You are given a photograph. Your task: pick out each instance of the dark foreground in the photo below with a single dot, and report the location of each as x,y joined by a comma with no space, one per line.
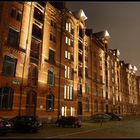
127,128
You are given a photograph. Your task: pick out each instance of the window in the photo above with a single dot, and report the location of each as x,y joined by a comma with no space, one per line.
68,41
37,32
64,111
50,102
86,88
67,55
6,98
68,72
79,89
51,56
9,66
13,38
68,92
50,78
96,106
35,50
72,111
87,105
86,72
38,15
16,14
102,106
53,24
52,38
33,75
68,27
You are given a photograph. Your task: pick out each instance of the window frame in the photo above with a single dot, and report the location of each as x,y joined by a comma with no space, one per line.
50,102
11,64
9,100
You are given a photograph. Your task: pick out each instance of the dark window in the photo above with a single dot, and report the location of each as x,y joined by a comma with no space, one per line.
18,16
50,78
53,23
15,14
52,38
96,106
87,105
50,102
51,56
9,66
86,88
37,32
79,89
31,98
86,72
102,106
79,110
38,15
81,32
34,52
6,98
13,38
33,75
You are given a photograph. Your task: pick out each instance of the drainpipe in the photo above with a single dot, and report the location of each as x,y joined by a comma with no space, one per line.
60,52
91,38
21,85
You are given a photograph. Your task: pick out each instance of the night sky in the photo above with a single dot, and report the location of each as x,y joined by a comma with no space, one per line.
121,19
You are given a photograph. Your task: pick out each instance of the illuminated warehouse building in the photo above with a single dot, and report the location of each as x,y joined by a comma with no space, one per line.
51,65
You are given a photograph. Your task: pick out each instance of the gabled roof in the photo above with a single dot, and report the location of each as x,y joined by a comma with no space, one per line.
80,14
102,34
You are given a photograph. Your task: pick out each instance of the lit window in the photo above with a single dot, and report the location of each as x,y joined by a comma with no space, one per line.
68,72
68,41
68,27
67,55
64,110
68,92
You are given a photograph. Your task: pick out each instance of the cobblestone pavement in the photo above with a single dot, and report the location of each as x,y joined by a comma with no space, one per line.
127,128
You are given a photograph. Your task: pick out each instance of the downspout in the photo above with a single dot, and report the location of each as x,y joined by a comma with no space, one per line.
21,85
91,38
61,39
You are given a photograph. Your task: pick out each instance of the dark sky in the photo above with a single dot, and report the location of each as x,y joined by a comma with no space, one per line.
121,19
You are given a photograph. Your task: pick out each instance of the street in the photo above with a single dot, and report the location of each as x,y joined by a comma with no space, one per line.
127,128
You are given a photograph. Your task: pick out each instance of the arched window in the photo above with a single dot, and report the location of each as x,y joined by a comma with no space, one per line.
50,102
6,98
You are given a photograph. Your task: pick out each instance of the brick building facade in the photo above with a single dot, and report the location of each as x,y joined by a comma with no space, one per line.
52,65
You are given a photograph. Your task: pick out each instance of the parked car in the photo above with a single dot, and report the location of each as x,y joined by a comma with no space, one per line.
115,116
5,126
25,123
68,121
100,118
